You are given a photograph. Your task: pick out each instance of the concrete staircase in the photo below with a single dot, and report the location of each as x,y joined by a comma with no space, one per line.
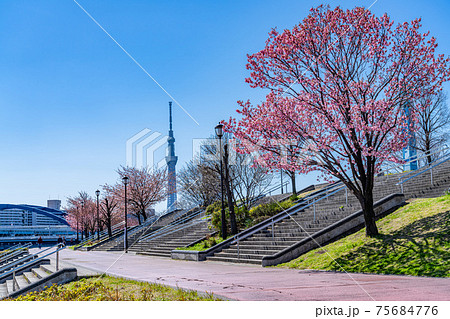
117,244
35,277
307,221
180,235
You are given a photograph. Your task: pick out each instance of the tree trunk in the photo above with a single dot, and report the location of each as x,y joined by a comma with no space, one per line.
108,225
428,149
366,202
292,176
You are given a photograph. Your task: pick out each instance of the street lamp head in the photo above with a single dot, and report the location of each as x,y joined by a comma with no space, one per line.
125,180
97,192
219,130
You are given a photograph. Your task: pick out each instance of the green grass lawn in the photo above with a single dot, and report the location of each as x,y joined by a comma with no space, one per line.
414,240
106,288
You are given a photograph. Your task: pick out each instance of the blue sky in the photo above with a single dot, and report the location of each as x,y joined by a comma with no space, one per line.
70,97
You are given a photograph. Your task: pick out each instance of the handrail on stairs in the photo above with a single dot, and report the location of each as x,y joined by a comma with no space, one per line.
173,229
273,189
9,249
435,163
165,213
28,257
418,158
19,267
312,200
153,221
170,226
102,234
14,249
287,213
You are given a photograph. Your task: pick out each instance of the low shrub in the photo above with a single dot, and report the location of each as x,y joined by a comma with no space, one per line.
247,218
107,288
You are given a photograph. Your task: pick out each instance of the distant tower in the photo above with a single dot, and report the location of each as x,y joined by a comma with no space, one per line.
171,160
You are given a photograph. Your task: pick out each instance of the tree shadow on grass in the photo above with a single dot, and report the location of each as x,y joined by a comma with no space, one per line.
421,248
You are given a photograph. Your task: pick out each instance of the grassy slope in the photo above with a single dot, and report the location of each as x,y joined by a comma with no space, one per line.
414,240
107,288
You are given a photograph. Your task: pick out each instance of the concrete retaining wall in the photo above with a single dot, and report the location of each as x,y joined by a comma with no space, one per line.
187,255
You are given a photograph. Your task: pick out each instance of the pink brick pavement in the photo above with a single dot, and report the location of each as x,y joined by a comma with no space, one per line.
245,282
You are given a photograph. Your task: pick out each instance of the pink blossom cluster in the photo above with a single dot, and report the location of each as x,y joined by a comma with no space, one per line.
339,82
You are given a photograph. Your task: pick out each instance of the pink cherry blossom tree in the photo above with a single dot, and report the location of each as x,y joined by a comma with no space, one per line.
338,83
81,211
110,209
146,188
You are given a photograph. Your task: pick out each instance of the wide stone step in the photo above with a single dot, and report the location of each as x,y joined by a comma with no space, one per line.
249,255
3,290
21,281
287,235
49,268
260,251
10,287
162,249
39,272
30,277
156,254
262,245
235,260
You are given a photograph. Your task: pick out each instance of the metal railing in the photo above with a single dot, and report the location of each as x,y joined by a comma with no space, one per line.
152,221
14,252
312,199
32,257
165,229
265,193
103,234
413,174
11,249
273,189
18,266
422,156
175,229
145,224
287,213
165,214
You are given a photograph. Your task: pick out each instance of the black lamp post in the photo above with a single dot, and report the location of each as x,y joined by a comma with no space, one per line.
82,219
125,239
97,192
219,133
78,216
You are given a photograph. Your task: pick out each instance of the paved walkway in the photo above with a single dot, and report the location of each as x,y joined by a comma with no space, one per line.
245,282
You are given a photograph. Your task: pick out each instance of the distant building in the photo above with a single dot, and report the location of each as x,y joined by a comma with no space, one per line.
54,203
25,223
